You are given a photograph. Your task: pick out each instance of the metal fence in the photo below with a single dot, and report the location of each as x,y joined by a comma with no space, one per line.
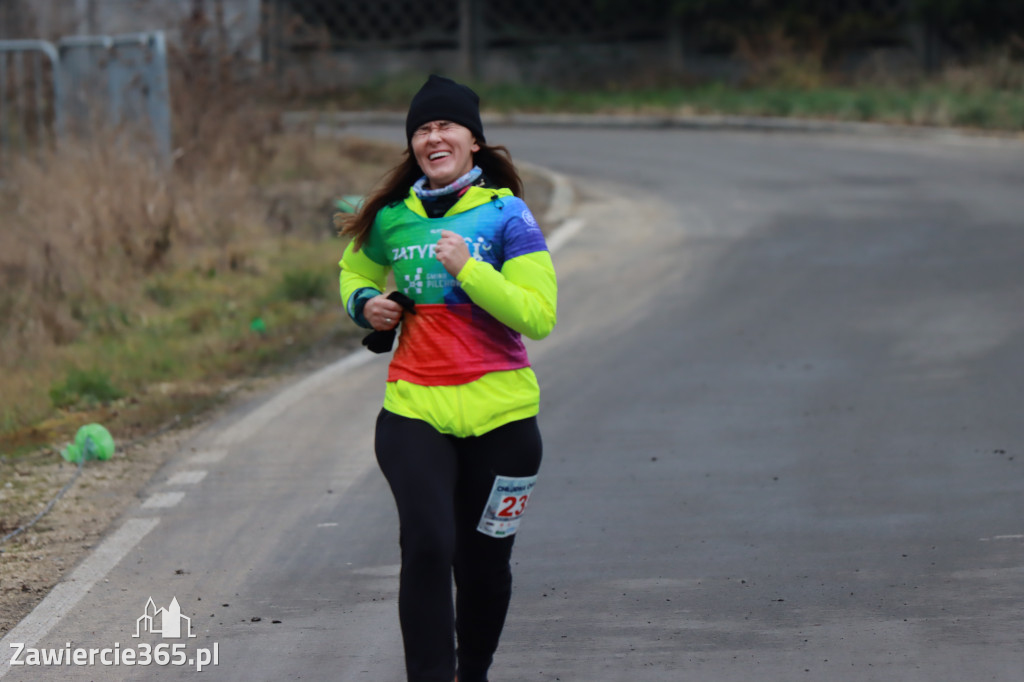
443,23
30,115
120,80
49,91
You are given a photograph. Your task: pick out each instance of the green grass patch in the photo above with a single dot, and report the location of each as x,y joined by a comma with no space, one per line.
89,386
191,333
935,104
304,284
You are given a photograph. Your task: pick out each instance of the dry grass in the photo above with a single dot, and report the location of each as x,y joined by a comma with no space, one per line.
773,58
111,265
150,279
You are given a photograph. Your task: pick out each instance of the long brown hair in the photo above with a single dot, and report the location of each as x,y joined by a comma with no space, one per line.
494,160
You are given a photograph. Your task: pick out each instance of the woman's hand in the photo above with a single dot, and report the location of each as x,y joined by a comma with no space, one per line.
382,313
452,251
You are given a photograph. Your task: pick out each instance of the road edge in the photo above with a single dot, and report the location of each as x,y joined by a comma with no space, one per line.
762,124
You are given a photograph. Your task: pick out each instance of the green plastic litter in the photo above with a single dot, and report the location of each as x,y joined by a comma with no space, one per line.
92,441
349,203
258,325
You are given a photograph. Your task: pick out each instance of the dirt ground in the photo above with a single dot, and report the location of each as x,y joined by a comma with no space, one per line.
38,558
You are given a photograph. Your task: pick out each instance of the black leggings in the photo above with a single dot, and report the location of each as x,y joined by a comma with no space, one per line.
441,484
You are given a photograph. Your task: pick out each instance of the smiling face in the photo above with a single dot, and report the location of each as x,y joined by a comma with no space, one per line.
444,151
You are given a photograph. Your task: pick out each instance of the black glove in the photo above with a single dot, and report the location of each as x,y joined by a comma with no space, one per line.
382,341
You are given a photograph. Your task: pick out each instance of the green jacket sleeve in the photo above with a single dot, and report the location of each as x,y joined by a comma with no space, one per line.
361,278
523,296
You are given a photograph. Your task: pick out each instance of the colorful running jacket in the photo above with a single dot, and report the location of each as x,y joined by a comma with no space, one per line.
460,364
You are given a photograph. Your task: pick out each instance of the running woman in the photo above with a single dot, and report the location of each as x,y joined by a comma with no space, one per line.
457,437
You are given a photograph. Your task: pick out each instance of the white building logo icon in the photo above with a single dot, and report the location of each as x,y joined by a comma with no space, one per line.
165,622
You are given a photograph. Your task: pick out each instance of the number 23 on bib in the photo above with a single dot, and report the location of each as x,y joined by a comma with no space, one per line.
506,506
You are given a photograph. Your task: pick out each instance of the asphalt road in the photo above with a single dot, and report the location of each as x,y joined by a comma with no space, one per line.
782,431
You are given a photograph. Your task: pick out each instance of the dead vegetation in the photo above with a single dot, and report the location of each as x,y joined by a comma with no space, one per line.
141,294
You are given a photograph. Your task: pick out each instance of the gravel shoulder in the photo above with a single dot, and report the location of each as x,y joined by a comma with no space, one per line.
32,562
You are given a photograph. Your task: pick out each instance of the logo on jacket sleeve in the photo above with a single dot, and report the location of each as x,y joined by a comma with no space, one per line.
475,247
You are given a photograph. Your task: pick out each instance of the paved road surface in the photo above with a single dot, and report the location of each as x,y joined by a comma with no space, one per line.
783,442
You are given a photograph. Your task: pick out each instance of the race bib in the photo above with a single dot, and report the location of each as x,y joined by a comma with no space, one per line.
506,506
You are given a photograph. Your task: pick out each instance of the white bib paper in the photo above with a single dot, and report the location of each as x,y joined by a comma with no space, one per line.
506,506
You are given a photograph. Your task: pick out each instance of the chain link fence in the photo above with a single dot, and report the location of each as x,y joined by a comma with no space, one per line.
324,44
570,42
436,24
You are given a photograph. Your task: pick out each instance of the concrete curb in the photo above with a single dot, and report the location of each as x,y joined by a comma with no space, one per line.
764,124
563,196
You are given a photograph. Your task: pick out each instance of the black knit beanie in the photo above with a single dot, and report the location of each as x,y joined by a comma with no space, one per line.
442,99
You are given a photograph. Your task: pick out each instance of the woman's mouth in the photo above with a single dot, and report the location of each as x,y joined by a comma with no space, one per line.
439,155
